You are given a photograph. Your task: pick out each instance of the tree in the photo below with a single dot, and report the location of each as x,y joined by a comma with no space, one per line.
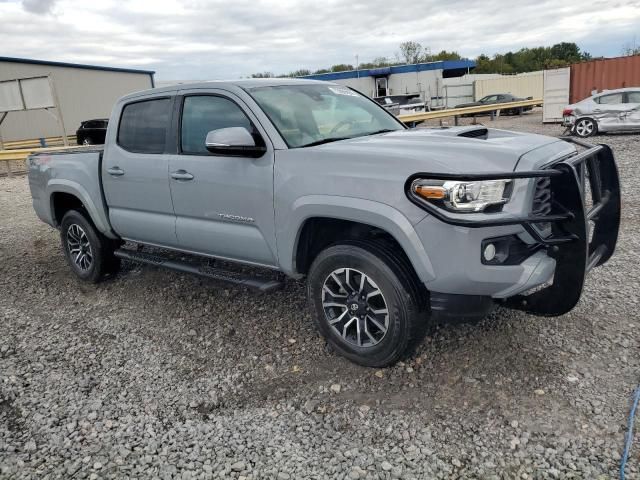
299,73
411,52
445,55
631,48
566,51
524,60
532,59
341,67
262,75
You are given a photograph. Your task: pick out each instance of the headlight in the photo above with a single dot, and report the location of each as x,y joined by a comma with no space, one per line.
462,197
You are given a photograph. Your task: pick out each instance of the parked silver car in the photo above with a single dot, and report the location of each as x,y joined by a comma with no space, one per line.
608,111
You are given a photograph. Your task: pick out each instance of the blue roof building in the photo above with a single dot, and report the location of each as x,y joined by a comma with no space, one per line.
424,79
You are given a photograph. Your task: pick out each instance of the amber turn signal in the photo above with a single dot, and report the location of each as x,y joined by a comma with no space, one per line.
431,192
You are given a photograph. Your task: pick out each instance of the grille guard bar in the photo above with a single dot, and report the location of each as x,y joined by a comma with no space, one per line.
569,243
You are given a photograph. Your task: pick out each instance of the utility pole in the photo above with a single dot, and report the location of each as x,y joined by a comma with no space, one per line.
357,66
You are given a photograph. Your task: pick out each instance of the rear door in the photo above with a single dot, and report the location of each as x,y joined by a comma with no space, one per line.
224,206
135,172
610,111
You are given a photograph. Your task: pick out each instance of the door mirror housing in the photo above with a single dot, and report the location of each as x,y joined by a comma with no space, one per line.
234,141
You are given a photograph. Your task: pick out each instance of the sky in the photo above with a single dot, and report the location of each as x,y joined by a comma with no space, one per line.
211,39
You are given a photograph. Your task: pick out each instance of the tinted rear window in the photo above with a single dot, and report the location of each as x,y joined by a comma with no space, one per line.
143,126
611,99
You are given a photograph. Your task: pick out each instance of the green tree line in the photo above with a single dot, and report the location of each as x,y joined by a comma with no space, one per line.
523,60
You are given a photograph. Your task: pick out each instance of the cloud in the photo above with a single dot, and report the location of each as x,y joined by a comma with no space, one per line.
38,6
213,39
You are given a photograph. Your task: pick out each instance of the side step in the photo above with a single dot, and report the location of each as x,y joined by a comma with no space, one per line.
263,285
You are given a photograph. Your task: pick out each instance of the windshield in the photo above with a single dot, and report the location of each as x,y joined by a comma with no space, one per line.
308,115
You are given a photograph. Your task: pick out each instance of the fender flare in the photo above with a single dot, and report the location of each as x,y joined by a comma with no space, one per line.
358,210
96,213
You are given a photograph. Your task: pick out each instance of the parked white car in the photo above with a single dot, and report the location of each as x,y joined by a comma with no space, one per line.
608,111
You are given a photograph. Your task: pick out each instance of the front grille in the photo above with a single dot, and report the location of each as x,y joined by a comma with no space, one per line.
542,197
541,204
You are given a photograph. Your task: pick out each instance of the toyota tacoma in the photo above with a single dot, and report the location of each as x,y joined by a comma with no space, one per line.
392,228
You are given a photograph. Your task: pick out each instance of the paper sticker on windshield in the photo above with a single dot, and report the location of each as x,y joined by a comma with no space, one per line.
343,91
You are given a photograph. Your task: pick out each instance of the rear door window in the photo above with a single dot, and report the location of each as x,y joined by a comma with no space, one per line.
612,99
143,126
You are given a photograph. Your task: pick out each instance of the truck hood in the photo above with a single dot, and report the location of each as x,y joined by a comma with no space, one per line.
376,168
473,149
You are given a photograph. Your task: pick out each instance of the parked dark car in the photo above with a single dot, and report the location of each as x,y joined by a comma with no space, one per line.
499,98
92,132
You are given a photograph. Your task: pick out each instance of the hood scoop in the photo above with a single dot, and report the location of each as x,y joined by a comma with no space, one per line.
475,132
470,131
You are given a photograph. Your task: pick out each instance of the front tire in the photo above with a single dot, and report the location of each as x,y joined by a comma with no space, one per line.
585,127
88,252
366,301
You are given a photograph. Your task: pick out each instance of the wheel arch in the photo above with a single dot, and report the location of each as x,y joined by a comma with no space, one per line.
65,195
336,218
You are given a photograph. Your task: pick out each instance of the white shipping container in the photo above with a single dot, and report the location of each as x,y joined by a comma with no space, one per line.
556,94
522,85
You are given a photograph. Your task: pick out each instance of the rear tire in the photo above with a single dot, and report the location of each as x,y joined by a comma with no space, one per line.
88,252
585,127
352,317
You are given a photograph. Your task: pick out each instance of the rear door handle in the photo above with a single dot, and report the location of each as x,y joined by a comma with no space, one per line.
181,175
115,171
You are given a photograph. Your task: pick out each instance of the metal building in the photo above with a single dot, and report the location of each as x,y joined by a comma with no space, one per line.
425,79
84,92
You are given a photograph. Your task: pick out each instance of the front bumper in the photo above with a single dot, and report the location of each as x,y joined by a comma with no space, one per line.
584,220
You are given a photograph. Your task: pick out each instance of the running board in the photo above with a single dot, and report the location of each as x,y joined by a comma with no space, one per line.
263,285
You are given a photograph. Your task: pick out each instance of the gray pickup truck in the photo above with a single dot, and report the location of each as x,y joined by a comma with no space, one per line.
393,228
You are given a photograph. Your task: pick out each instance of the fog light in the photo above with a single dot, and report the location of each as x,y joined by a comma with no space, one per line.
489,252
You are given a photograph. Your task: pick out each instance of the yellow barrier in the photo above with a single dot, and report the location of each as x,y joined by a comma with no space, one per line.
35,143
456,112
20,155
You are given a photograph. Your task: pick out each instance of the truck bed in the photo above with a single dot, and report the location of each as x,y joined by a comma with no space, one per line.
73,170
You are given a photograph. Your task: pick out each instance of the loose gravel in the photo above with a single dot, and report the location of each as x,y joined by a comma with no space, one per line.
154,374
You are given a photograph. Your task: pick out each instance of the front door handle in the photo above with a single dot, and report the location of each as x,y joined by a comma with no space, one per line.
181,175
115,171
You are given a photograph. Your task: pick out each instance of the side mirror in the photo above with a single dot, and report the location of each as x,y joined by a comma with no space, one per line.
233,141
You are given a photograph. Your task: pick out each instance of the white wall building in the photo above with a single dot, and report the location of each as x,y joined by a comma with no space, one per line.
84,92
425,79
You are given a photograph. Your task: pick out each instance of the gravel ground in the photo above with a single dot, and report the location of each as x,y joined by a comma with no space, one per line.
154,374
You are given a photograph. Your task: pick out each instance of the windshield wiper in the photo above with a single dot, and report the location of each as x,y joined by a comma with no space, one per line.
323,141
384,130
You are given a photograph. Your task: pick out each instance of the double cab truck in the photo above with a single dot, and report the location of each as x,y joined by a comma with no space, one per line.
392,228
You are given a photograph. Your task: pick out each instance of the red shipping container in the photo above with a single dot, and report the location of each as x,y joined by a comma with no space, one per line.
603,74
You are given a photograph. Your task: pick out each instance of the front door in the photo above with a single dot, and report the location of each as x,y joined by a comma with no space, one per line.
135,173
611,113
633,103
223,204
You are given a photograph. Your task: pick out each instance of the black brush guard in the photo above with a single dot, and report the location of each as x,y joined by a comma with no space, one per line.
584,231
